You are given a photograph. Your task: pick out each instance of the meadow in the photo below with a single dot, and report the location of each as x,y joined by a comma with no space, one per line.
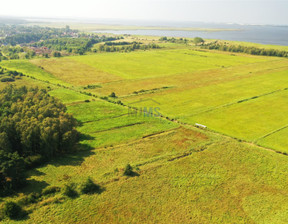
228,173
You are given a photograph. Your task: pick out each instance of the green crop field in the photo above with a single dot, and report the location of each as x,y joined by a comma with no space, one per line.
227,173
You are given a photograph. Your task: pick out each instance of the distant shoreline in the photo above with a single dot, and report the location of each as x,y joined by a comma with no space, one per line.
268,35
104,27
116,27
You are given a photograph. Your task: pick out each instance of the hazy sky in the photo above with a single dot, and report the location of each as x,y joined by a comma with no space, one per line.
237,11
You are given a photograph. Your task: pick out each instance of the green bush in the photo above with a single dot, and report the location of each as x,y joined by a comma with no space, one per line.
92,87
7,79
70,190
89,187
50,190
113,95
128,171
13,211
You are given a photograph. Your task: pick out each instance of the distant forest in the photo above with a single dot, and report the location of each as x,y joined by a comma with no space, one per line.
18,42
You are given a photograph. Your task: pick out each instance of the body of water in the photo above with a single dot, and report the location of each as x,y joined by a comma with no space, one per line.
275,35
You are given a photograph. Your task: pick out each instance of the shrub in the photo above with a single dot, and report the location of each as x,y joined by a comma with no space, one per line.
113,95
89,187
13,211
70,191
50,190
128,171
7,79
92,87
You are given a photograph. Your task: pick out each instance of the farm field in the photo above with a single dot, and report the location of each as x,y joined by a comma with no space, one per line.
183,174
32,71
233,120
276,140
188,85
63,68
148,64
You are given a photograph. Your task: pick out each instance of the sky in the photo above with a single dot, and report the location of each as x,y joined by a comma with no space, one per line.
226,11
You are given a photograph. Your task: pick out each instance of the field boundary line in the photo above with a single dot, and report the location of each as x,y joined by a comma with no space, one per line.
119,127
165,158
106,118
271,133
239,101
148,91
127,143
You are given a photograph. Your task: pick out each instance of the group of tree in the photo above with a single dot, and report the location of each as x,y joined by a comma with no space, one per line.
17,34
25,42
109,43
78,45
34,127
126,48
9,76
245,49
196,40
174,40
16,52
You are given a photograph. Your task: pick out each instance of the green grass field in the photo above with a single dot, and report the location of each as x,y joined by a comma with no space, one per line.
149,64
31,70
184,174
72,72
186,84
233,120
226,182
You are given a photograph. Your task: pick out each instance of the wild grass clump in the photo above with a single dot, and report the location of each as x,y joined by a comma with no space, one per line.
89,187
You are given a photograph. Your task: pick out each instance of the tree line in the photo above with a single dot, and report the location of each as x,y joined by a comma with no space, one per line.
126,48
78,45
109,43
245,49
174,40
34,127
